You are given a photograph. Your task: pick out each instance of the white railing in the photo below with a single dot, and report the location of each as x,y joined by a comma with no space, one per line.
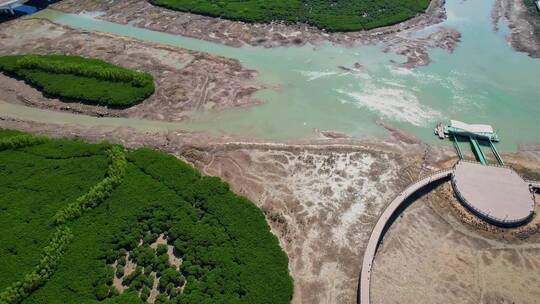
377,232
482,214
389,212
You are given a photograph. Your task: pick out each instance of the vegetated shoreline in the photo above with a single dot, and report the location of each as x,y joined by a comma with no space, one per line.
287,213
234,260
524,23
303,219
179,74
396,38
338,16
236,33
80,79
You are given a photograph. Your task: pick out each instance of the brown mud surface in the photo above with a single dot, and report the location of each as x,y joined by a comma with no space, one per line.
323,197
524,23
397,38
432,254
186,81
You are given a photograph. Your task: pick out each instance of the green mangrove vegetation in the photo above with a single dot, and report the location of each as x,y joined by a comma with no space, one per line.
81,79
99,192
80,220
334,15
19,141
46,267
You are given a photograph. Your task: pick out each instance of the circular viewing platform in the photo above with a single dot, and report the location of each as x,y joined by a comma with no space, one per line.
496,194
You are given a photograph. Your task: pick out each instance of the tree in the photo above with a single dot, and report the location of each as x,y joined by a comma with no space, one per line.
119,271
162,249
169,275
145,293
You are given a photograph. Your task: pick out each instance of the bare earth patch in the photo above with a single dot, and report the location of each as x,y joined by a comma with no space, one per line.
322,199
431,256
186,81
524,24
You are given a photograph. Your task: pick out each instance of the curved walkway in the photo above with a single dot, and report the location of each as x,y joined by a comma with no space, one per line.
378,231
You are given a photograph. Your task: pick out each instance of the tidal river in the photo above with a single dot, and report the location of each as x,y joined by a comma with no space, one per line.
483,81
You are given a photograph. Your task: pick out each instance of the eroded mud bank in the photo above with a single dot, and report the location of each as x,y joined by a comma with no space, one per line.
524,24
398,38
322,198
186,81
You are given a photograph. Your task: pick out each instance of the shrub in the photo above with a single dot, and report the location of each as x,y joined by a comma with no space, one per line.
102,292
120,271
122,252
122,260
169,276
162,249
144,256
145,293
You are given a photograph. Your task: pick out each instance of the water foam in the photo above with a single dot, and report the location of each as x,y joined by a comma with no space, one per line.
394,103
313,75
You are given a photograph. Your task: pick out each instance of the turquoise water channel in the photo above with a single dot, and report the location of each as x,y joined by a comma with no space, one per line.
483,81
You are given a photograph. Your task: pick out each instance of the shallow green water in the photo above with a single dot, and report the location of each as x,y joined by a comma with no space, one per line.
483,81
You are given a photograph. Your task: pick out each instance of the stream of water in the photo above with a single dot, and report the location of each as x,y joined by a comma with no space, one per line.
483,81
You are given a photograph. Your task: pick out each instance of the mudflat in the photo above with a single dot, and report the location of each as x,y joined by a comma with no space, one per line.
186,81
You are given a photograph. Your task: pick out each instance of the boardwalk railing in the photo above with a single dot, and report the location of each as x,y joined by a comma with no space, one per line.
489,217
390,212
378,230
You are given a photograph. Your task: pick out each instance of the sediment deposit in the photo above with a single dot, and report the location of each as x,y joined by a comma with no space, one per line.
398,38
186,81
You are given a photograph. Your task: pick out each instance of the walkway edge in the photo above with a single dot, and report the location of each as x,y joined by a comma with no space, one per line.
376,234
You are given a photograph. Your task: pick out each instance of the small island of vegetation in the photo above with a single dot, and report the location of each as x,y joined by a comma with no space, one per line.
85,80
335,15
96,223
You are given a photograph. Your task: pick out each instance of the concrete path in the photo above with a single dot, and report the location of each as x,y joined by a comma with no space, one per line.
378,231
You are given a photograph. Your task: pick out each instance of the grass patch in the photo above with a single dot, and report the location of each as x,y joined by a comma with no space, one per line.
335,15
75,78
228,253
